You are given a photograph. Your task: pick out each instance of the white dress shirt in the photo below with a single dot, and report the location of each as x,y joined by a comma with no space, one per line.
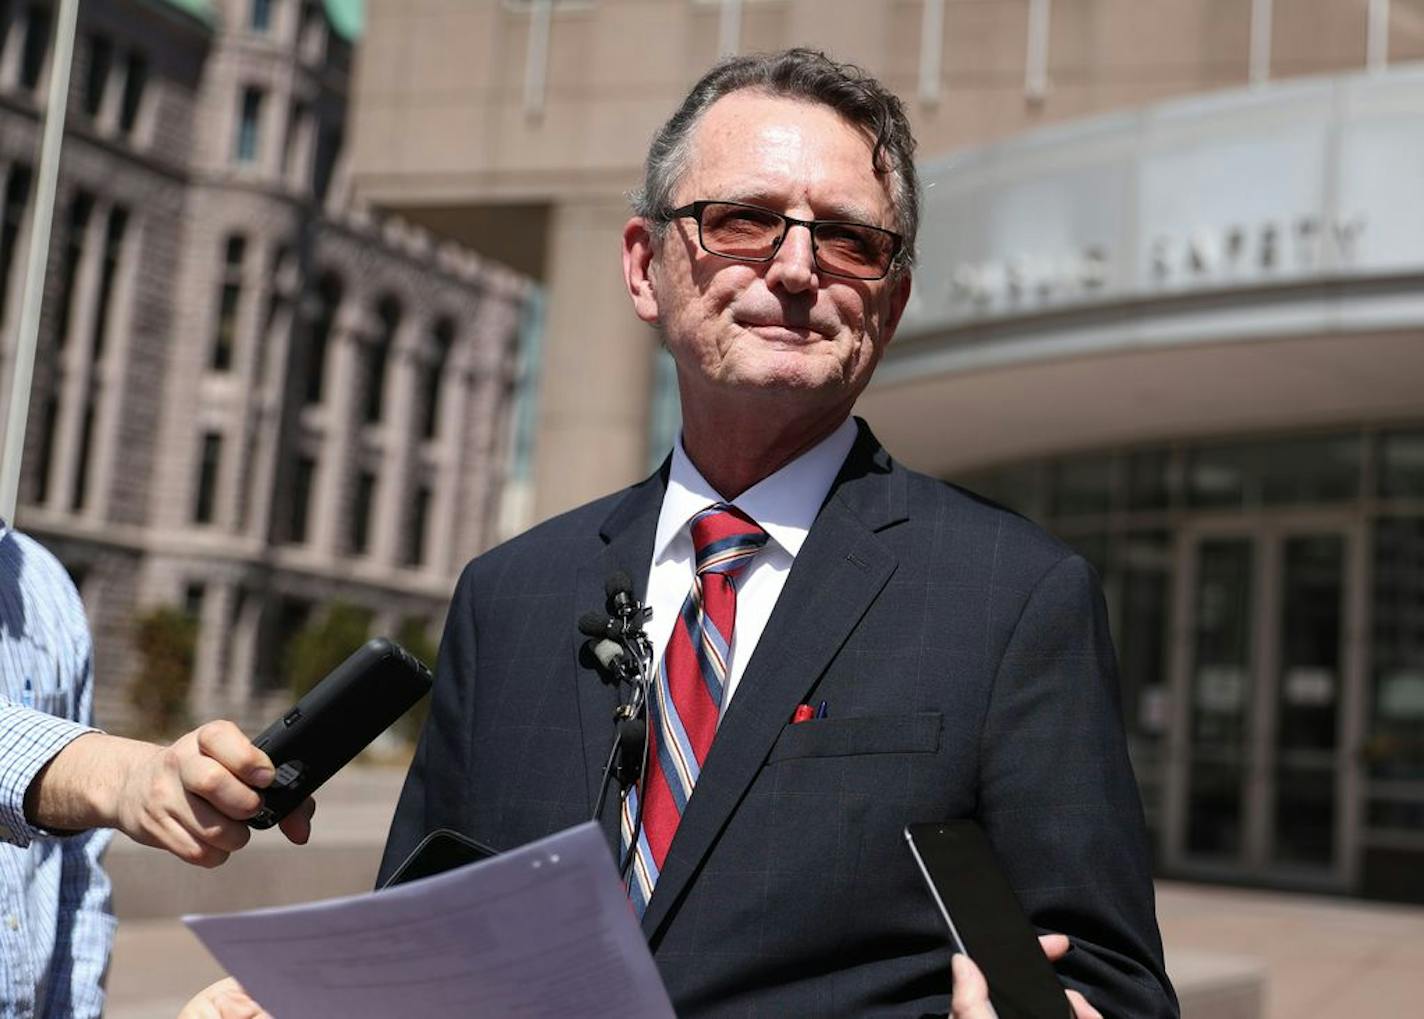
784,505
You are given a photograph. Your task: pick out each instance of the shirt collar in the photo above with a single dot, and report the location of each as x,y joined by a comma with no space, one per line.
785,504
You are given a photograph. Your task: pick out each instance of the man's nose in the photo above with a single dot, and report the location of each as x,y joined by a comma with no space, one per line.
794,264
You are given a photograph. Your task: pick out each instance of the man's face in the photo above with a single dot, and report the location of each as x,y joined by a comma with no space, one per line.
781,327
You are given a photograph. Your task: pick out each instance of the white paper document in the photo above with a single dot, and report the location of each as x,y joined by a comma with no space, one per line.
544,930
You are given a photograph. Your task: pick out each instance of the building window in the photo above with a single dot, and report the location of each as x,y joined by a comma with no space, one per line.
12,214
361,512
442,338
248,125
244,483
327,149
209,463
79,494
113,247
32,56
275,301
80,209
101,63
49,422
297,129
303,476
419,523
329,302
135,78
311,38
193,600
229,297
378,357
260,16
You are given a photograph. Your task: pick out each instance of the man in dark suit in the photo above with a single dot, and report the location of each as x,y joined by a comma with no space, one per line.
958,658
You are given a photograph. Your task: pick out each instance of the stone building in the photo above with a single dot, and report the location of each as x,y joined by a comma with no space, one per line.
1167,302
252,396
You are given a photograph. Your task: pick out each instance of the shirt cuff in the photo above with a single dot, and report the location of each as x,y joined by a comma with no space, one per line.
29,740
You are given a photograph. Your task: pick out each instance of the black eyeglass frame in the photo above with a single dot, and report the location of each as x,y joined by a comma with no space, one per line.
694,210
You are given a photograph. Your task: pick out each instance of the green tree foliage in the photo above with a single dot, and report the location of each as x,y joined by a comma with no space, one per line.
166,639
414,636
327,640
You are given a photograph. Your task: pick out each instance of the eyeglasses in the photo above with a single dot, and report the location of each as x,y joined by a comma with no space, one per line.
750,233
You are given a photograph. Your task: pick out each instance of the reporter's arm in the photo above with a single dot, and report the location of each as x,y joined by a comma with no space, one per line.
191,798
29,740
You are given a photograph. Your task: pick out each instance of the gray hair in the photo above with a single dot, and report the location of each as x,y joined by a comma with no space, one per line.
804,74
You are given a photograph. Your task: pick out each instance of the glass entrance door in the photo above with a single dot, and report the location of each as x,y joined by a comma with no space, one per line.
1260,769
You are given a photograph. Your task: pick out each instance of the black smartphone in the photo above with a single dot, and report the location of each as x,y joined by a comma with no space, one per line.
441,850
335,721
986,921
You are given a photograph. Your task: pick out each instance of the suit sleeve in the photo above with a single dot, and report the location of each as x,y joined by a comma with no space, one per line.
1058,798
434,793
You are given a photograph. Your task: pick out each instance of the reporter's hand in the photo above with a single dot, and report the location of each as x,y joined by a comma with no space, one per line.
971,992
223,1000
194,797
191,798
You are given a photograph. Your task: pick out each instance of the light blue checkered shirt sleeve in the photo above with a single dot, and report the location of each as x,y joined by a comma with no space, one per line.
56,925
28,740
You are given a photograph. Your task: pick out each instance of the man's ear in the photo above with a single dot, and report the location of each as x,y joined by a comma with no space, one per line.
638,268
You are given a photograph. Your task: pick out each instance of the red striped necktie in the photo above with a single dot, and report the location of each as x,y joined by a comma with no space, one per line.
688,689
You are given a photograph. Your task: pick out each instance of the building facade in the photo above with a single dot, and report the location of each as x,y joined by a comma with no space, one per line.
1167,303
252,397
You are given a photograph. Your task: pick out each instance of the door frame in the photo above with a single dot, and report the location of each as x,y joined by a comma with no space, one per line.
1267,534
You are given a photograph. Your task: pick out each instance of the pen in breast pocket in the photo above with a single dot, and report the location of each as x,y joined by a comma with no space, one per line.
28,699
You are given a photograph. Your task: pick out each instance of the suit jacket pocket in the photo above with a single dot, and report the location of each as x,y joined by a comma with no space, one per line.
845,737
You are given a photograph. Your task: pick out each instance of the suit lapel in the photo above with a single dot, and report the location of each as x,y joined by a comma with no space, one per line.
628,535
839,572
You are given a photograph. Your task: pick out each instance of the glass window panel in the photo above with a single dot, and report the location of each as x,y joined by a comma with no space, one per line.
1401,464
134,82
1149,479
303,481
1395,745
101,62
249,122
1214,811
12,214
1142,635
1310,470
209,460
1221,681
1093,546
1217,476
1020,487
32,57
1082,486
1308,693
1403,814
361,512
1305,816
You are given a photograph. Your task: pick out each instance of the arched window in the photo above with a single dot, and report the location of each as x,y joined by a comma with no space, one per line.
319,336
442,338
388,315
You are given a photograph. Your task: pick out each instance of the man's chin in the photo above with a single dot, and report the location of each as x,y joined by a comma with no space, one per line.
787,379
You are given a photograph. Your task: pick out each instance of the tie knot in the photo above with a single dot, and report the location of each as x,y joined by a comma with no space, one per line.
725,539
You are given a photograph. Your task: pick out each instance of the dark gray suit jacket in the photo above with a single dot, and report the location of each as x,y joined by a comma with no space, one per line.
965,660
